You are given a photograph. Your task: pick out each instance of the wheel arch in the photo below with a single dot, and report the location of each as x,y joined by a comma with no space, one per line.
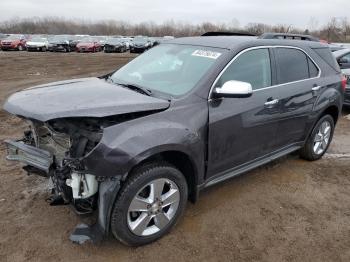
178,159
331,110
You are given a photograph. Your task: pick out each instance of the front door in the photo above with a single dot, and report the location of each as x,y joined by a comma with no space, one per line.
243,129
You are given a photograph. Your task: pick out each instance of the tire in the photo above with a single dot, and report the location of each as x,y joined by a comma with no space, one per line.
314,150
160,217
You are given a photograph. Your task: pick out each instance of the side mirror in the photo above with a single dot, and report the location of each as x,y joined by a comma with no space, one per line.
343,61
234,89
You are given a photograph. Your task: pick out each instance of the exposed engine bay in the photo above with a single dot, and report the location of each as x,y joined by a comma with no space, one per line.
64,142
67,140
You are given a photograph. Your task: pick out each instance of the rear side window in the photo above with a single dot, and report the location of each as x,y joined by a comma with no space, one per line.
327,56
292,65
253,67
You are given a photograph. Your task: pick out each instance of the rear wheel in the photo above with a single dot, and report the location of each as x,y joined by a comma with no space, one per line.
319,140
149,204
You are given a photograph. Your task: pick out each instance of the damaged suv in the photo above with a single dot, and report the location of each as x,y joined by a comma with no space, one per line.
136,144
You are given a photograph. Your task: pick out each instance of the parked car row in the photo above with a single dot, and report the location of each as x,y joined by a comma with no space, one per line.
79,43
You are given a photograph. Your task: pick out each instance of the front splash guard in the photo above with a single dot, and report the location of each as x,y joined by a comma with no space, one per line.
95,233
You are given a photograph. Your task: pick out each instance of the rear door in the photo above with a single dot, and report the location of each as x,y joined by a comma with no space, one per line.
243,129
298,87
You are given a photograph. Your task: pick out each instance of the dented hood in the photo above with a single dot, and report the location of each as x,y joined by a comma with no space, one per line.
85,97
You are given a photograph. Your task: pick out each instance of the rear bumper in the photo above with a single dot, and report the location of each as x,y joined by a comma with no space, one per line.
30,155
85,49
58,48
8,47
111,49
137,49
35,48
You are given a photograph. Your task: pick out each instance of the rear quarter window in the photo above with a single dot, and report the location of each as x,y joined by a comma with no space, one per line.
327,56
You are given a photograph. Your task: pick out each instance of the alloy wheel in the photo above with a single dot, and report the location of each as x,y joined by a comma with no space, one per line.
322,138
153,207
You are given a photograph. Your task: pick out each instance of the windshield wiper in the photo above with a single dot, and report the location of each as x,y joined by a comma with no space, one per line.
134,87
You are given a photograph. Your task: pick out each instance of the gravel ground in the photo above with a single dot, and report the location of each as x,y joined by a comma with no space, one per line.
288,210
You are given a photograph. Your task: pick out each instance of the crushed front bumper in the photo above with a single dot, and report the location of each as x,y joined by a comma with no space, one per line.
30,155
107,191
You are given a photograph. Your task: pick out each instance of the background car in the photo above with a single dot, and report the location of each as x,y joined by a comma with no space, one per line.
2,36
343,58
89,44
37,43
61,43
115,45
14,42
140,44
101,40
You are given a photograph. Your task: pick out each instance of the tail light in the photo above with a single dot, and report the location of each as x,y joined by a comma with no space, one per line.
343,82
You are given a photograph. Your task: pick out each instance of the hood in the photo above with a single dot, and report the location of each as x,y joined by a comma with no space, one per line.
85,97
36,43
10,41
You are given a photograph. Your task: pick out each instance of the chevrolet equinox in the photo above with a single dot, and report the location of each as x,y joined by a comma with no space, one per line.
133,146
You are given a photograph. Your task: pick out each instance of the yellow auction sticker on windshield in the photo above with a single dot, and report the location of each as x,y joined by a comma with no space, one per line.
206,53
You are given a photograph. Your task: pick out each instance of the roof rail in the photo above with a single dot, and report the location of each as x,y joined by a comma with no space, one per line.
227,34
288,36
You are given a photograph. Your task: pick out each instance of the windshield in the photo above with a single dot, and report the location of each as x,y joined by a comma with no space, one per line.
140,39
38,39
114,40
171,69
59,38
13,37
87,40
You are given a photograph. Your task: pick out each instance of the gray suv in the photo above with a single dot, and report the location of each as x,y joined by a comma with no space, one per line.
136,144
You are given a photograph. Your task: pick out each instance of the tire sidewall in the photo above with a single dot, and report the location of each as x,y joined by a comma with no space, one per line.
311,139
119,225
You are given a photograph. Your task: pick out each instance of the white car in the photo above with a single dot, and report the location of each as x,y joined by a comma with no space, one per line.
37,44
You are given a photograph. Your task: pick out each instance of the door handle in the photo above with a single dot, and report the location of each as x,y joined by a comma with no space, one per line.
272,102
316,88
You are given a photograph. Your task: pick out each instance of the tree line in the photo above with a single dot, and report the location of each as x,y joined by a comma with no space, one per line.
336,30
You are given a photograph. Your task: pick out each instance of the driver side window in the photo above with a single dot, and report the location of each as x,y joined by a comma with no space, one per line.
253,67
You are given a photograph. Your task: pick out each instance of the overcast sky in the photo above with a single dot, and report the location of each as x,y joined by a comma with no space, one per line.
291,12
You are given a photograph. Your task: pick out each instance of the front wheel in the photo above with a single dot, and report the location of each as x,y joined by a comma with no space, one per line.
319,140
149,204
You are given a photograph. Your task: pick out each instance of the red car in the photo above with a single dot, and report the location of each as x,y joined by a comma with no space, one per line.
89,44
14,42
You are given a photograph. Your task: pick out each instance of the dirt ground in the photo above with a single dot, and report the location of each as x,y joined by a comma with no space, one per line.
289,210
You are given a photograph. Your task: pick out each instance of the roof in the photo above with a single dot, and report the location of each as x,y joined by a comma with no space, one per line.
236,42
